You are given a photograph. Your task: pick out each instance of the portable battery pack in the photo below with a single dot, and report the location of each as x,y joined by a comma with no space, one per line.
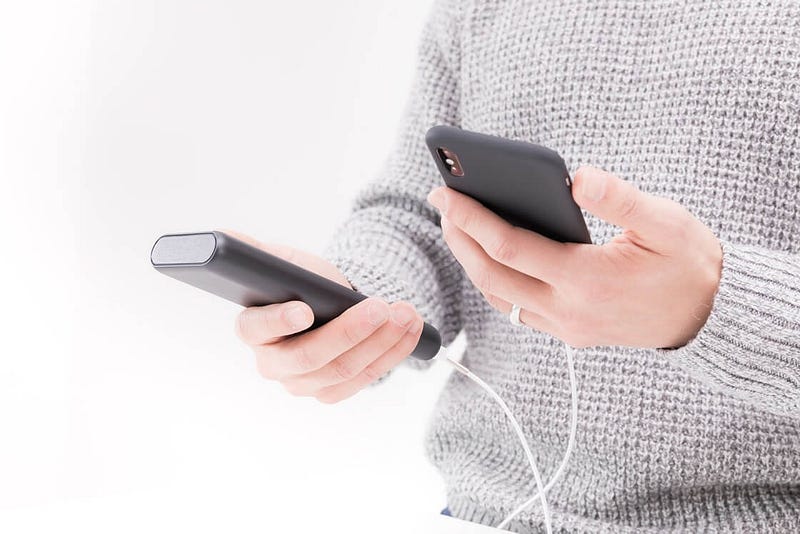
241,273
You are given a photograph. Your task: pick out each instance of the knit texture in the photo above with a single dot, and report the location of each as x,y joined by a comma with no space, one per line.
691,100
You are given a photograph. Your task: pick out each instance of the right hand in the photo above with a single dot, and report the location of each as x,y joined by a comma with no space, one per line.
333,361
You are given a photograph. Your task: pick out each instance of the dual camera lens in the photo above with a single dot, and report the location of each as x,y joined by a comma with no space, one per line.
450,160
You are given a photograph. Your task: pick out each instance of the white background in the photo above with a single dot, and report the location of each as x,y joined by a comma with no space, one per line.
126,402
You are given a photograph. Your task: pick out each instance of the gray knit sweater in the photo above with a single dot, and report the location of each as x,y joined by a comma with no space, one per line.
692,100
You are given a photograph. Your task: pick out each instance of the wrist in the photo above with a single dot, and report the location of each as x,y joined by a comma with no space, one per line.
709,274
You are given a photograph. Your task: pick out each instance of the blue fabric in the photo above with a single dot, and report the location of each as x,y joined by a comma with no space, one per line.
446,512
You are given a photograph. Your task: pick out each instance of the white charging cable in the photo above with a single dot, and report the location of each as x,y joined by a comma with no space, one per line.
518,429
541,489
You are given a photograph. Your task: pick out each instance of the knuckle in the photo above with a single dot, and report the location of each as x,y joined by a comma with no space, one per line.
405,309
352,332
629,206
303,359
503,248
371,373
343,369
466,219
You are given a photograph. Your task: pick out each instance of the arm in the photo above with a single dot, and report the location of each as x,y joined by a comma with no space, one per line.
750,345
391,245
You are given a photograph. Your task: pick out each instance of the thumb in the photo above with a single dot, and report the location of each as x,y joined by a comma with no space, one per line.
621,203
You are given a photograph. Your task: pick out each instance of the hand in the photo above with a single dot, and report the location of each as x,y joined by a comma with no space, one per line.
651,286
333,361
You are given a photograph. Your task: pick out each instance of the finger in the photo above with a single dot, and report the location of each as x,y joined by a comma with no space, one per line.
315,349
258,325
526,317
493,278
350,364
382,365
518,248
621,203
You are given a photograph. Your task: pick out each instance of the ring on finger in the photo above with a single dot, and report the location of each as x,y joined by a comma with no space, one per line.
514,315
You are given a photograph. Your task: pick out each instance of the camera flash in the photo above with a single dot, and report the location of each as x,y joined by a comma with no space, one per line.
449,161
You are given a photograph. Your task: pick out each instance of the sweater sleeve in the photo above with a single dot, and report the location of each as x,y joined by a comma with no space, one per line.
750,344
391,244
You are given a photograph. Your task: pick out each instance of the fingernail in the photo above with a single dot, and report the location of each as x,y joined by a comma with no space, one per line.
377,313
437,198
297,316
402,316
594,186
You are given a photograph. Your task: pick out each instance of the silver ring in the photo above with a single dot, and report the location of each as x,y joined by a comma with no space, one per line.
514,315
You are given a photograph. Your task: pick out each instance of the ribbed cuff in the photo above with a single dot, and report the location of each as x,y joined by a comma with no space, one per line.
750,344
378,255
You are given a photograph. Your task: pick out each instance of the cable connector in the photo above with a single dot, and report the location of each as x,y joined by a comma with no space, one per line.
442,354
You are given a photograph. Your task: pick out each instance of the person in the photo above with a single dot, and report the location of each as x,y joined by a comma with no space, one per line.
680,122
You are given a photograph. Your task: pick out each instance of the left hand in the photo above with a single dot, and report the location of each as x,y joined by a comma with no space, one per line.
651,286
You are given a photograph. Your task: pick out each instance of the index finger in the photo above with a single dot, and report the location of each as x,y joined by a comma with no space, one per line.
523,250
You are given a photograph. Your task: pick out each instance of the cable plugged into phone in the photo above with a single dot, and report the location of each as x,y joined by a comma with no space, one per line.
541,489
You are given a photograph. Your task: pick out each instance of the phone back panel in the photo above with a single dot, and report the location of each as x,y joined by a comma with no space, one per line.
526,184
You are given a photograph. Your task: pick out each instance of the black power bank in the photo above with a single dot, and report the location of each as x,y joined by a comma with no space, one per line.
246,275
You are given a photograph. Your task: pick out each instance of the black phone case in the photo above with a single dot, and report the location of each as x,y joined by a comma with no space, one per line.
526,184
246,275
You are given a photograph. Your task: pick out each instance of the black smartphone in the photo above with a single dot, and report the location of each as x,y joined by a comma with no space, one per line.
526,184
239,272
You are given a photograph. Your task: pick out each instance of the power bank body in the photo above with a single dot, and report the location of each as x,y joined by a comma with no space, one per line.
234,270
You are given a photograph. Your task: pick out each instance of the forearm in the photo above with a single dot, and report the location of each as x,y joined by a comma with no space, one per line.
391,245
389,252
